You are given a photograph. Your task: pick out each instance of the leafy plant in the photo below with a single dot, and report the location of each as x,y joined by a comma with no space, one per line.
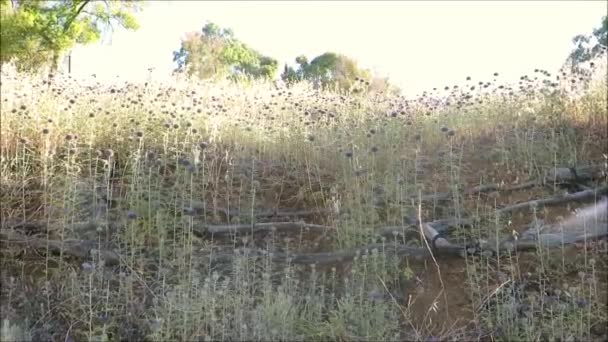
214,53
37,33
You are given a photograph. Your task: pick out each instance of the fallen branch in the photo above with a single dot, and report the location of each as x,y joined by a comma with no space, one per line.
199,207
560,175
501,187
577,196
327,258
257,228
440,226
81,249
281,212
569,175
484,188
439,242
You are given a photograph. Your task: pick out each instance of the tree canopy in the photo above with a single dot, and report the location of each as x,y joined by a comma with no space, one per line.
334,71
329,70
35,33
215,53
589,46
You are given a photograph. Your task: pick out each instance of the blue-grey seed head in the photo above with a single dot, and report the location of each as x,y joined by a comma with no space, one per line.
131,215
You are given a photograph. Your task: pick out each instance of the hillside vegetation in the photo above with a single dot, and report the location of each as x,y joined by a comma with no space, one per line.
219,211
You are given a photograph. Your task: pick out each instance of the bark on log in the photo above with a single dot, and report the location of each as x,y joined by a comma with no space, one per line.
81,249
328,258
203,230
577,196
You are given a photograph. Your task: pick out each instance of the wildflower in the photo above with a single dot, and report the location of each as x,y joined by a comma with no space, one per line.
131,215
184,162
88,267
581,302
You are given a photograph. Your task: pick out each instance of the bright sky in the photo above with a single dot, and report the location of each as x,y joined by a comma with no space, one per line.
418,45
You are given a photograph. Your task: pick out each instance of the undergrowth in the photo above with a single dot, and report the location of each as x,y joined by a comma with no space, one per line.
137,168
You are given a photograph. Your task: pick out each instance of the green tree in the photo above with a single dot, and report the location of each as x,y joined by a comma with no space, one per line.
330,70
589,46
291,75
216,53
36,33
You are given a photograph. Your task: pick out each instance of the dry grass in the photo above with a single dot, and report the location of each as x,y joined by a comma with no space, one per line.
136,168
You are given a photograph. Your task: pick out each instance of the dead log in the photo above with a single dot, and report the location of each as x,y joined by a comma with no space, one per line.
440,226
337,257
561,175
199,207
439,244
204,230
500,187
483,188
577,196
81,249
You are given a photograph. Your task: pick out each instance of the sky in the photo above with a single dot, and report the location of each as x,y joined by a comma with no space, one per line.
417,45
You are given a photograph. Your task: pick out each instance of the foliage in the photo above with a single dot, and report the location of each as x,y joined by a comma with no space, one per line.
329,70
215,53
36,33
335,71
590,46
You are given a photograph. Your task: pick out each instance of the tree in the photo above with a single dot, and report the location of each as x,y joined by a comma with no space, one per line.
35,33
216,53
382,85
330,70
290,75
590,46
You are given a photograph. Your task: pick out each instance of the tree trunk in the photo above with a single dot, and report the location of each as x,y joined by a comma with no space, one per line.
55,62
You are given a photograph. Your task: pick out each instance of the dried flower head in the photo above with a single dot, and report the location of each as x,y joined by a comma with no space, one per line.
131,215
